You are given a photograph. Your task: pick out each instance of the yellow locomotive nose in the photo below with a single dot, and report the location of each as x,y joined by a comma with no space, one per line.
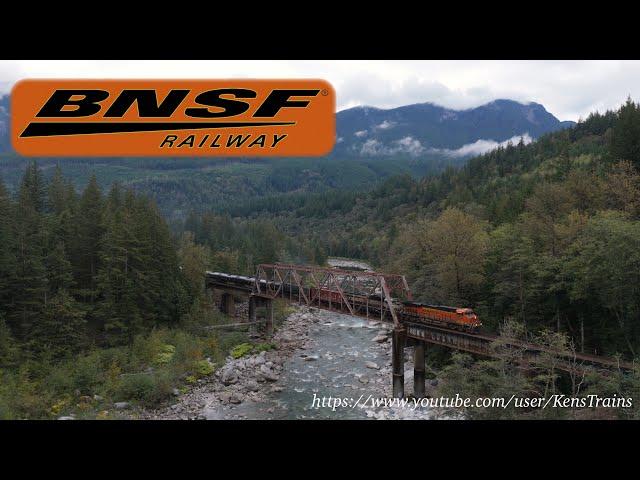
472,317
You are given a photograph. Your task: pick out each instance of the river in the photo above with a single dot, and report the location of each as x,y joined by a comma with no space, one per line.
340,359
320,354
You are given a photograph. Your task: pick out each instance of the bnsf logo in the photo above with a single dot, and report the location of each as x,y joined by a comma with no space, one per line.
194,117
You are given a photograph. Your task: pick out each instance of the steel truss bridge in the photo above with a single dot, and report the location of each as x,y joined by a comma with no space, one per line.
378,296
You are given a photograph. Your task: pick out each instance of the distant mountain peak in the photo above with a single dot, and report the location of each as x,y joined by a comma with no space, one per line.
423,128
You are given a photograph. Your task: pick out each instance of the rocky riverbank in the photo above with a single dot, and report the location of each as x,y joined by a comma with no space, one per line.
317,353
246,379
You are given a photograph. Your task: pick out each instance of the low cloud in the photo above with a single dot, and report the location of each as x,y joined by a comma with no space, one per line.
412,146
407,145
483,146
385,125
361,133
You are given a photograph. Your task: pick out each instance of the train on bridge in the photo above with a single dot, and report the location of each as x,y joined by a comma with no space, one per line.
455,318
386,298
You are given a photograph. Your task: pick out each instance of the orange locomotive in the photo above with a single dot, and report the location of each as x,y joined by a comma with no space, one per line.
450,317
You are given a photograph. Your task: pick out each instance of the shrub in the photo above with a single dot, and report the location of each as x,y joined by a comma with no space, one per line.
58,407
137,386
227,341
87,374
203,368
5,411
264,347
165,355
50,388
241,350
148,389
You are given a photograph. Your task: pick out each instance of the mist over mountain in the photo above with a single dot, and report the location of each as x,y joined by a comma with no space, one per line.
427,128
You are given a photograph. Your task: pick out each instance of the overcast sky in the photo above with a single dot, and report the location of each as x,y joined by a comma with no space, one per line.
568,89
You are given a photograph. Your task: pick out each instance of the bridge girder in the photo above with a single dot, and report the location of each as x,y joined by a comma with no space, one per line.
347,291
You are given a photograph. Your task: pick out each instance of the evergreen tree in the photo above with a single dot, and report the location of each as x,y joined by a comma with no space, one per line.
8,346
117,311
7,251
29,286
59,270
86,250
60,331
194,259
625,138
58,191
32,189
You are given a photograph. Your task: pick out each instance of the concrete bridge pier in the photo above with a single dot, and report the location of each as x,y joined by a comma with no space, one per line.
228,304
252,315
269,322
398,339
419,390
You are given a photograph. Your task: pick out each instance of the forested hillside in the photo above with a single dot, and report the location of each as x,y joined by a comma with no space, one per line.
547,234
99,302
179,186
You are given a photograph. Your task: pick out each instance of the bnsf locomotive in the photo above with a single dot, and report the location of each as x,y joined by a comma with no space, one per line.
450,317
456,318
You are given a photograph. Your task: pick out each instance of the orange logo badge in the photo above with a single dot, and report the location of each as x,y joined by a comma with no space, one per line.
236,117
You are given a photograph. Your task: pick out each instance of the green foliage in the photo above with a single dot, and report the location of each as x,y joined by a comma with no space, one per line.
503,375
264,347
165,356
45,389
236,186
447,256
8,347
139,283
625,137
88,287
147,388
194,259
618,384
241,350
61,330
603,267
203,368
238,247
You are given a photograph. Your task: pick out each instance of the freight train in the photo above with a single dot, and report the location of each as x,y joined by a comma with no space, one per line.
455,318
450,317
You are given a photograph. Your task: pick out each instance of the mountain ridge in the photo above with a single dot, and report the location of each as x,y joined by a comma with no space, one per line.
427,127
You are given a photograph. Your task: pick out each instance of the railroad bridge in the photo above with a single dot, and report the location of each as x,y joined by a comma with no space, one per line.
374,296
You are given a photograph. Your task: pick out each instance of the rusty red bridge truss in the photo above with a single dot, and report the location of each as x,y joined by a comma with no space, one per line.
359,293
